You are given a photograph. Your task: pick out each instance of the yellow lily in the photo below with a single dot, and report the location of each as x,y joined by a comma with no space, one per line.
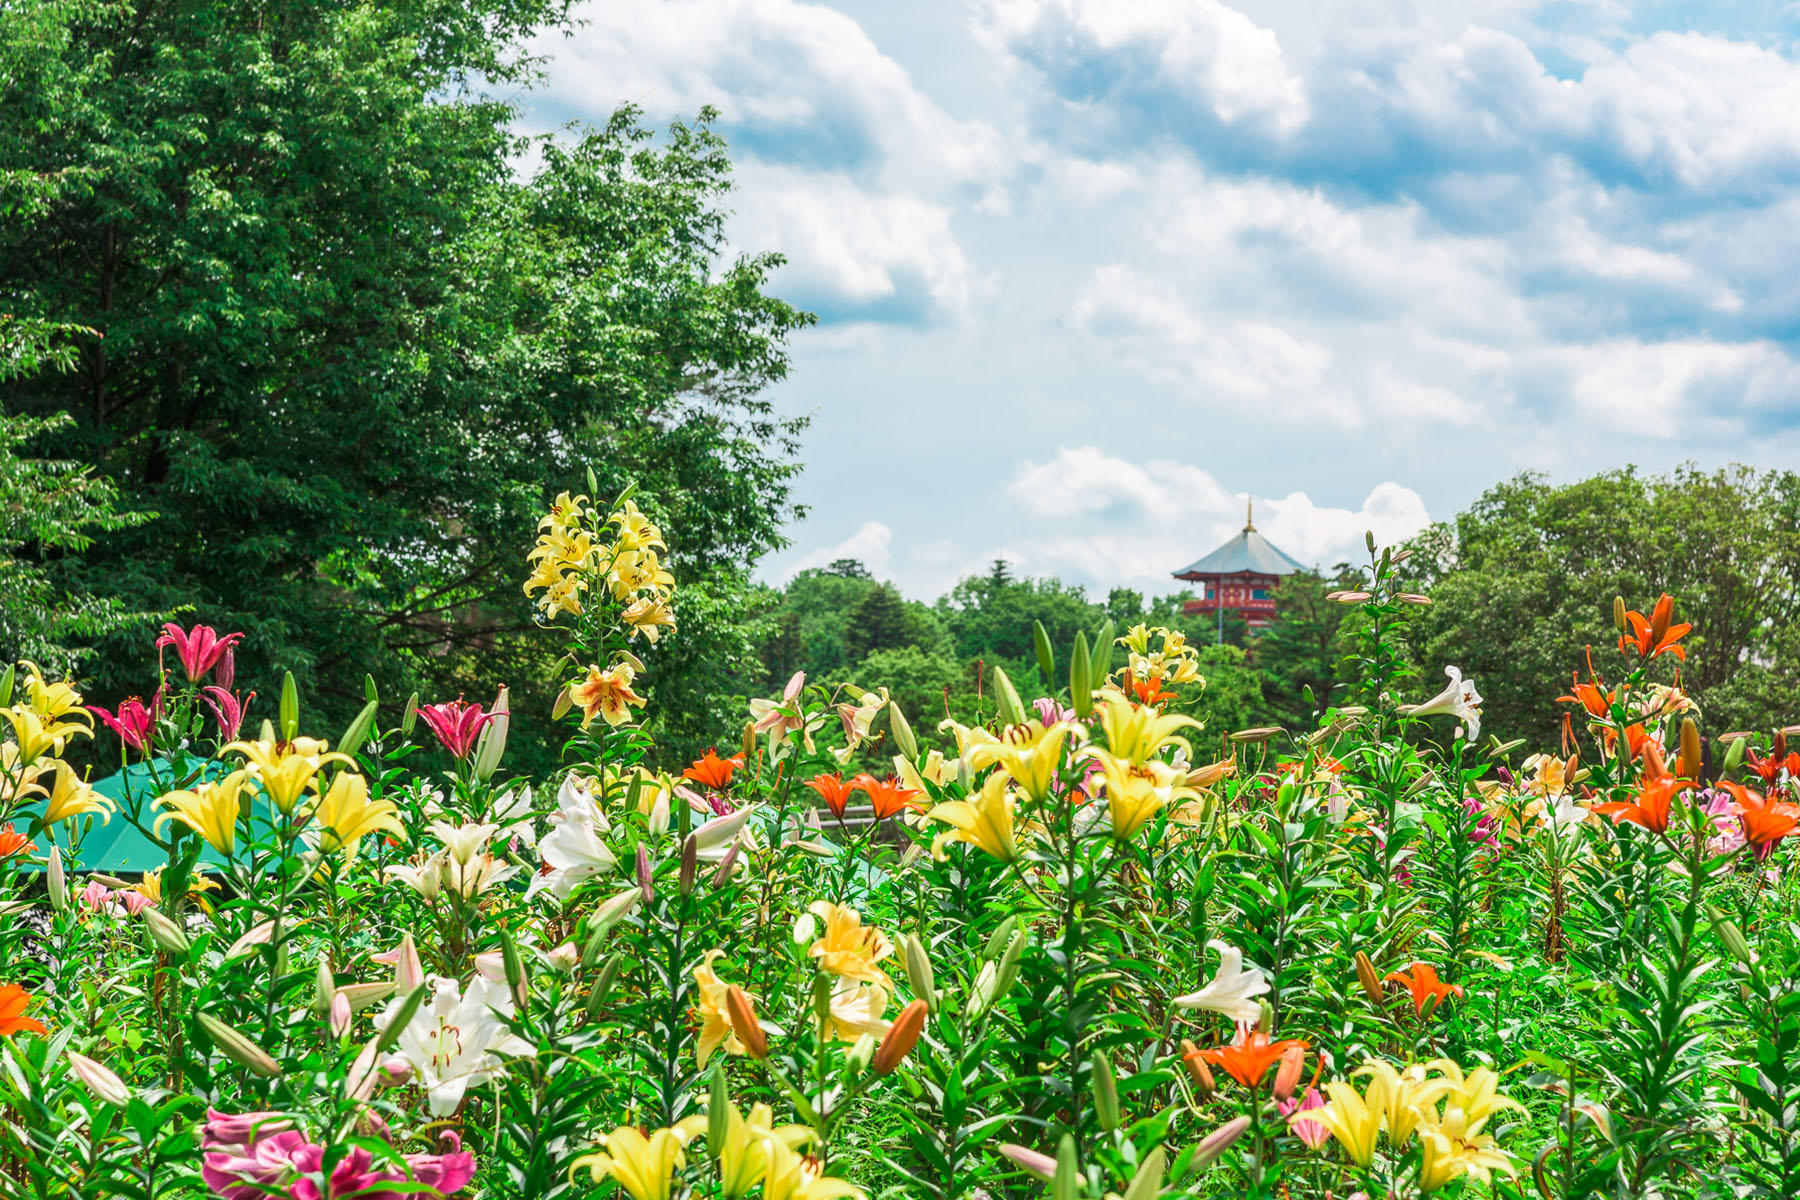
985,821
744,1156
54,701
606,694
1137,791
1450,1149
18,780
796,1177
856,1011
345,813
1351,1120
1403,1097
1031,753
1136,732
848,948
1476,1094
37,736
70,796
715,1023
287,769
211,810
643,1166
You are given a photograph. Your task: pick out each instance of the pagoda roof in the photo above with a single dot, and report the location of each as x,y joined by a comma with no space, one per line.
1249,553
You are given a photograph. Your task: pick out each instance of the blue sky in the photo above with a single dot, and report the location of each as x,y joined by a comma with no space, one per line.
1090,272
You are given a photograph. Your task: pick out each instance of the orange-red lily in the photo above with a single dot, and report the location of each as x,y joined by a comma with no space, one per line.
13,843
835,791
1655,635
1655,794
709,770
1770,768
1249,1058
1148,690
1591,696
13,1000
1421,979
886,796
1766,821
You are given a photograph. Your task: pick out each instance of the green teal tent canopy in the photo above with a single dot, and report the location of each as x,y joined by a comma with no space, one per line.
116,846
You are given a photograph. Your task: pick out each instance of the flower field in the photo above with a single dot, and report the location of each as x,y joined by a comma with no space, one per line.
1083,947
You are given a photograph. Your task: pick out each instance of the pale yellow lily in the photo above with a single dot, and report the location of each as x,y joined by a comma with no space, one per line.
287,769
793,1176
1137,791
744,1155
1031,754
1403,1097
345,813
70,796
211,810
1136,732
1476,1094
54,701
1449,1149
643,1166
848,948
985,821
37,736
1352,1121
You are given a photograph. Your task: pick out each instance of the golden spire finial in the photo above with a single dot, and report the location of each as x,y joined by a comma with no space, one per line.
1249,515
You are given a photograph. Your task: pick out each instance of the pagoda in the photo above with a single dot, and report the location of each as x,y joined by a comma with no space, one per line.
1239,577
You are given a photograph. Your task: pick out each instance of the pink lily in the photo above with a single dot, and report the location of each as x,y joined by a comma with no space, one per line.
95,895
199,649
228,708
457,724
1310,1132
133,722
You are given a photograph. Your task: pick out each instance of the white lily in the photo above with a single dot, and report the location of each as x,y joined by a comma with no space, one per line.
573,849
1233,990
1459,699
715,838
457,1040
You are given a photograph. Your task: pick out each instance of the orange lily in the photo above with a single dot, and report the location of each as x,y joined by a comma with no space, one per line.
835,791
886,796
1249,1058
12,843
1591,695
1655,794
714,772
1655,635
1148,690
1770,768
1426,988
13,1000
1766,821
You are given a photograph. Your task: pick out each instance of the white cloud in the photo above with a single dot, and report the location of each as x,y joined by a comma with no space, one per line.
1202,51
869,545
1678,388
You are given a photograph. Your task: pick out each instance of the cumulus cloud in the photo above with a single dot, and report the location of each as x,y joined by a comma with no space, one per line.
869,545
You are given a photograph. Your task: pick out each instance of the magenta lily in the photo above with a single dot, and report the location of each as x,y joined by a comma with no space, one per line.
457,724
134,723
228,709
199,648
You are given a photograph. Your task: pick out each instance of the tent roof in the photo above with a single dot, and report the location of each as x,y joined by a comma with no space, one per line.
116,846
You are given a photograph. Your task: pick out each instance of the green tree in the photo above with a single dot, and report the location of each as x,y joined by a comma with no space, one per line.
878,622
1525,579
349,340
1299,650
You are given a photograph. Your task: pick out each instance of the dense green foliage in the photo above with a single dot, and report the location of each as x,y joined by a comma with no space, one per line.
349,322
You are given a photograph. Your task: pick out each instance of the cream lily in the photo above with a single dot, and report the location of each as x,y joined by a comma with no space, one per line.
1232,991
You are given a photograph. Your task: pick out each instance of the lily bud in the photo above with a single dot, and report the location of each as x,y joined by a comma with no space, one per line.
1654,762
58,882
1147,1183
645,879
903,733
1731,936
1009,964
805,932
409,971
1218,1142
340,1015
410,717
603,985
727,865
1000,939
749,744
1779,747
1066,1183
167,935
324,986
516,979
1040,1166
1265,1017
1371,981
744,1024
611,913
860,1055
718,1114
1687,764
395,1071
821,996
901,1037
690,862
105,1085
493,738
1203,1076
1287,1076
918,971
1106,1092
235,1046
1734,753
1619,612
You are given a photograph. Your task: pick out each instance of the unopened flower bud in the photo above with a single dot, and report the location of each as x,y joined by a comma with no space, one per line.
167,935
340,1015
821,996
1265,1017
99,1080
744,1024
1287,1076
1040,1166
918,971
644,878
1203,1076
1687,764
1000,939
1218,1142
901,1037
1654,762
237,1047
1734,752
690,862
1106,1092
806,928
727,865
1066,1184
324,986
1371,981
603,983
1146,1184
1619,612
395,1071
860,1055
58,882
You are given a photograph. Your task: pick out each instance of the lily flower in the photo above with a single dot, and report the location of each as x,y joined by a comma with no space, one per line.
457,1040
13,1002
1769,769
1135,732
199,649
1655,635
228,709
1232,991
778,718
886,796
1592,696
985,821
709,770
287,769
607,694
715,1020
743,1154
835,791
1476,1095
857,719
53,701
1766,821
1459,699
847,948
1402,1096
70,797
211,809
648,615
573,851
457,724
792,1176
1137,790
1427,990
38,736
345,814
643,1167
1348,1118
855,1011
1249,1058
14,843
1449,1149
1651,808
1031,753
133,722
